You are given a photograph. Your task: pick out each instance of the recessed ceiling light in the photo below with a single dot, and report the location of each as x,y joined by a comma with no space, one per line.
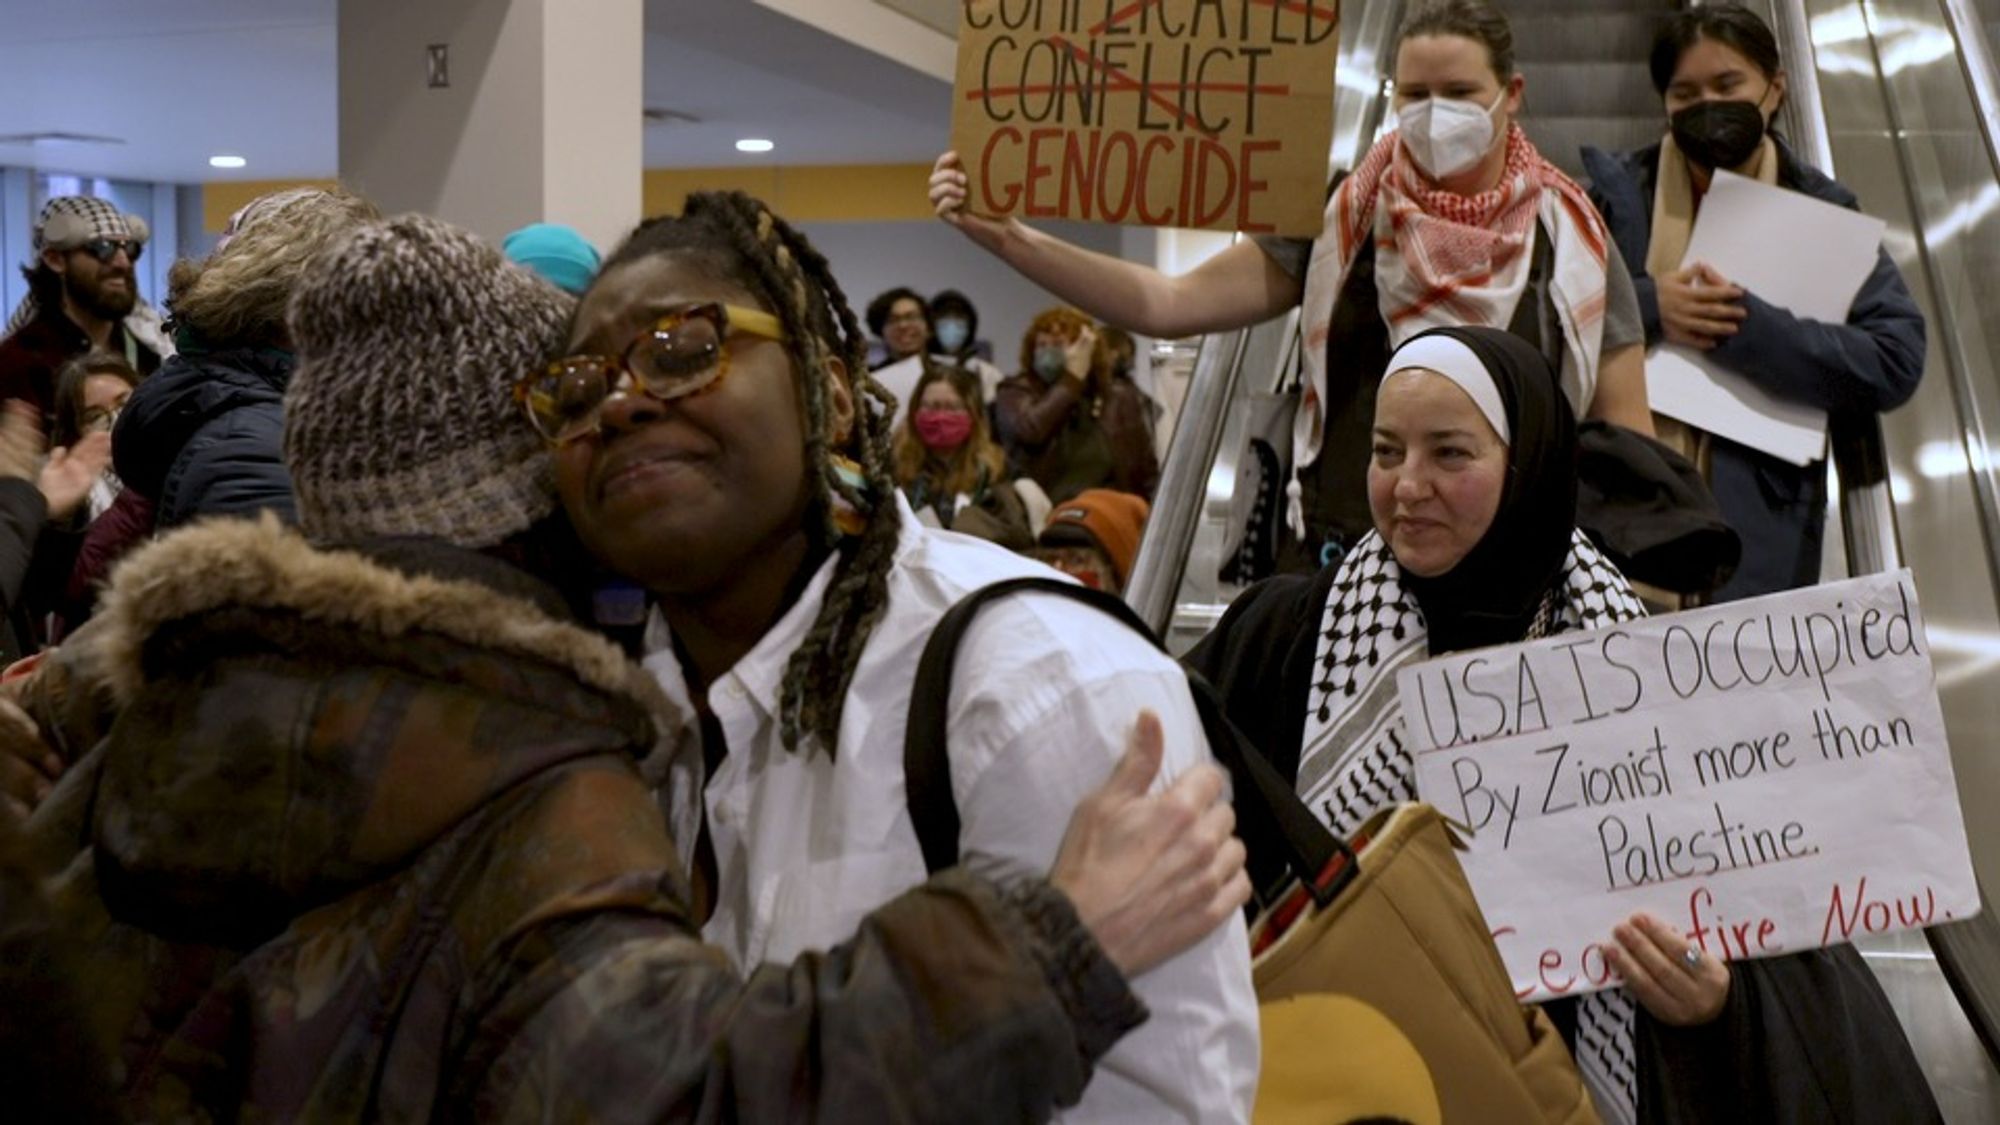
754,145
226,162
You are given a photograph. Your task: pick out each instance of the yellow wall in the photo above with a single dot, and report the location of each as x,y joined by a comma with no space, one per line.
801,193
224,198
805,193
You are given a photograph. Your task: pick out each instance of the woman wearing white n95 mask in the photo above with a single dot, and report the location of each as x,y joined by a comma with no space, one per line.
1452,220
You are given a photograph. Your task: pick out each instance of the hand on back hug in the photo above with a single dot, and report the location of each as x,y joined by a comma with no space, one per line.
1151,874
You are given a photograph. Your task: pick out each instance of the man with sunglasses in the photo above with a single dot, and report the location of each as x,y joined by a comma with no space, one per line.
82,294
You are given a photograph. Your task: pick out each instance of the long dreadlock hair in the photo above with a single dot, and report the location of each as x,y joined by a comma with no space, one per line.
738,238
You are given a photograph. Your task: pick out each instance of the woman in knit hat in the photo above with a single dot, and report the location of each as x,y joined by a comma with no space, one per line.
1094,537
718,440
371,838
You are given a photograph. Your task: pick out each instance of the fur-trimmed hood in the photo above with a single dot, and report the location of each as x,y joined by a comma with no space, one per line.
261,564
335,713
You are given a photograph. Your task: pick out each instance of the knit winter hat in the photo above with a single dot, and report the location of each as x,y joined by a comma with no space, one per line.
1103,518
69,221
400,419
556,252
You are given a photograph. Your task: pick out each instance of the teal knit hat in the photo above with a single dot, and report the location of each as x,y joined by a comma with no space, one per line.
557,252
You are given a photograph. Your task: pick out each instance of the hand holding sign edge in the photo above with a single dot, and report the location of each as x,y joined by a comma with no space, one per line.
1652,959
950,192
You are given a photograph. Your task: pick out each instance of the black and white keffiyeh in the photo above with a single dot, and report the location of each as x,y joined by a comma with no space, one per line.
1355,759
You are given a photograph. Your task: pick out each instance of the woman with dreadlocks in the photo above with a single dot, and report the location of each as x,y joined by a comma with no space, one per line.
718,440
358,824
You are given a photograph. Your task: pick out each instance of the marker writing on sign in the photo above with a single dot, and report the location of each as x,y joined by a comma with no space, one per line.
1054,81
1109,177
1290,23
1620,670
1634,858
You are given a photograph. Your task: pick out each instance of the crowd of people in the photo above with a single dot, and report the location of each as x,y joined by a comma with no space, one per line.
1003,457
330,792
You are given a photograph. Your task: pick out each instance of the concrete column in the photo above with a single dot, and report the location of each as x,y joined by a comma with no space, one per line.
540,119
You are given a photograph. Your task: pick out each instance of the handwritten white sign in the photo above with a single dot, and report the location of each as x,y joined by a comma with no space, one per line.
1770,776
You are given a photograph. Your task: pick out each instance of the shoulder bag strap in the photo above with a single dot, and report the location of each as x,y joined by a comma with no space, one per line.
1269,813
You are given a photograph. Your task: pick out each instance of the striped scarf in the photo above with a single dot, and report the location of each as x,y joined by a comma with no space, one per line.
1444,259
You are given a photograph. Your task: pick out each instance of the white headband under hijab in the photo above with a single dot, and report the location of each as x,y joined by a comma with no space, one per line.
1452,359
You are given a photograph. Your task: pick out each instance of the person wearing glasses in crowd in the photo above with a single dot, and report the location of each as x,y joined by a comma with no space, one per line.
718,441
381,832
901,320
82,295
91,392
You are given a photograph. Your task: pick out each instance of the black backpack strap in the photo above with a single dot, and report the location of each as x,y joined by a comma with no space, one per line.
1270,817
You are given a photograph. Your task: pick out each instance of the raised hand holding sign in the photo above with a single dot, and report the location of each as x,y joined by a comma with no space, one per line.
1174,113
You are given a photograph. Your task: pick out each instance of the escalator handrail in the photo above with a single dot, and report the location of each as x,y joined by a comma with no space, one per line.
1805,106
1163,550
1980,72
1968,952
1161,566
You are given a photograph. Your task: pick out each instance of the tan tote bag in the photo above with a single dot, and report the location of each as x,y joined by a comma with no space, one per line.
1401,967
1380,991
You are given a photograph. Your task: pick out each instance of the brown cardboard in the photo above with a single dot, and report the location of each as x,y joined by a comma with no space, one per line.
1213,114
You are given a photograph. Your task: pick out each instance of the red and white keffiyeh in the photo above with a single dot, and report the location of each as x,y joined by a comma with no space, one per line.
1443,259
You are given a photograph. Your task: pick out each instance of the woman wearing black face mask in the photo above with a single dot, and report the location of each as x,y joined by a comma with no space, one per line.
1718,72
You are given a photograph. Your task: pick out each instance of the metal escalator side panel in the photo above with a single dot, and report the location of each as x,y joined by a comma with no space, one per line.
1892,97
1175,564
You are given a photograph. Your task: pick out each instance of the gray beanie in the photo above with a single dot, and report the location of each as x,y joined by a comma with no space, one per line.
400,418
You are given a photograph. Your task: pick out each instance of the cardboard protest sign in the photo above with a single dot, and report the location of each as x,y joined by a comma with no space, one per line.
1769,776
1214,114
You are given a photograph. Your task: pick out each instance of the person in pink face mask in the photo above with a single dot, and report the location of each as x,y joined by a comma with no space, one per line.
952,471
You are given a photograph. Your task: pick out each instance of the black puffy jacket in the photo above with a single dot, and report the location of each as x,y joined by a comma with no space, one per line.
205,436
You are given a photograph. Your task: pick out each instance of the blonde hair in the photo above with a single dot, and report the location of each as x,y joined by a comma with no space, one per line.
978,457
238,294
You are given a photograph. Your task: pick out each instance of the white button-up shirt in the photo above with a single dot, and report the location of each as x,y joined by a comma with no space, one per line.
1043,697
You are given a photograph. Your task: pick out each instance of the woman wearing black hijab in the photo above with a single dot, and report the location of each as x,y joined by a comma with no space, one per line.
1472,487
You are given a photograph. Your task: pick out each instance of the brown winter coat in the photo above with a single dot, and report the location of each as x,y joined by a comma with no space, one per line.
1068,438
369,840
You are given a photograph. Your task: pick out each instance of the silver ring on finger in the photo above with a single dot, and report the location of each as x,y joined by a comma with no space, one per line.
1691,957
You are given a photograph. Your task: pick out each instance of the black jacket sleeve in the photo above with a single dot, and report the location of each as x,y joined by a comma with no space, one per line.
1870,363
1804,1037
22,514
1260,659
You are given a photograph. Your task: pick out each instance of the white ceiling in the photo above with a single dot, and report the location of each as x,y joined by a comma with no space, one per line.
180,80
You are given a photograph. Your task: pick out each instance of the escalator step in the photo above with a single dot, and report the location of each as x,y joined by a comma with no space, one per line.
1607,89
1556,38
1515,9
1561,138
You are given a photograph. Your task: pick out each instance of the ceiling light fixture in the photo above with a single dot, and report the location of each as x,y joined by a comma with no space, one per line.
754,145
226,162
